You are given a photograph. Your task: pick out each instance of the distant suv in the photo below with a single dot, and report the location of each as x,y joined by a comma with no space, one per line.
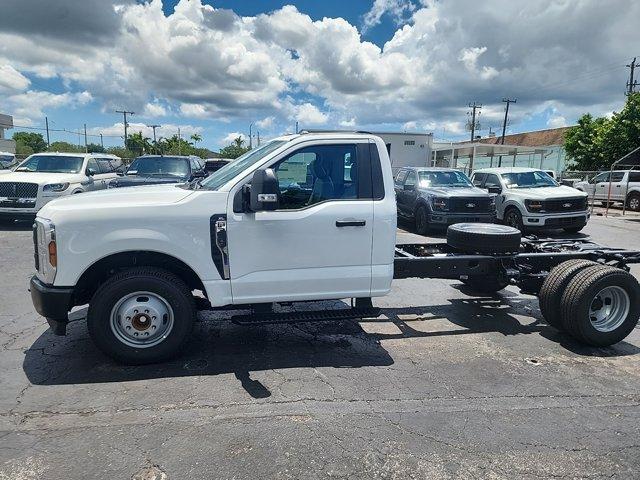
530,198
159,169
598,187
440,196
45,176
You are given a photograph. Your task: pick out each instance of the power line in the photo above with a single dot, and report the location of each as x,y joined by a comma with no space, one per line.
474,107
124,114
508,101
631,84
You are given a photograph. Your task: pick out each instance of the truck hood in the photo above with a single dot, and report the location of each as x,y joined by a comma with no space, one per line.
42,178
455,192
133,180
115,199
545,193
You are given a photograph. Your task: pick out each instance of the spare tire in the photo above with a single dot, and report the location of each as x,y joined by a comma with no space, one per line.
483,238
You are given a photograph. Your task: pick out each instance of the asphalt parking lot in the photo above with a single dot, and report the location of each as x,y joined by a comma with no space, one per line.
444,385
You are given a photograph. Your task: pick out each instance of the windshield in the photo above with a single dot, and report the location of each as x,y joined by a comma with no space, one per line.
536,179
51,164
226,173
443,179
169,166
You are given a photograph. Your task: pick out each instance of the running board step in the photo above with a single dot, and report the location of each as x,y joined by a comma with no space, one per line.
308,316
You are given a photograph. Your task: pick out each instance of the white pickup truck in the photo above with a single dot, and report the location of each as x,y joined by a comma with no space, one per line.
304,217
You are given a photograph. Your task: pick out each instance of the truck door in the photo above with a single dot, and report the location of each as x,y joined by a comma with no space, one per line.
410,193
317,244
618,184
601,185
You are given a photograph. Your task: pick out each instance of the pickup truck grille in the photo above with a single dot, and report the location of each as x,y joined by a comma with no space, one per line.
18,190
577,204
469,204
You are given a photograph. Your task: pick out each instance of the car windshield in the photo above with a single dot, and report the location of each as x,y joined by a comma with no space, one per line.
166,166
226,173
535,179
51,164
443,179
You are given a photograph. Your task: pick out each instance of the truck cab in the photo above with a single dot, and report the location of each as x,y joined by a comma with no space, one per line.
303,217
614,186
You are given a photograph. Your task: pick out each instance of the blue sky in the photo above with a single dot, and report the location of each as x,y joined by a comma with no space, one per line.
214,67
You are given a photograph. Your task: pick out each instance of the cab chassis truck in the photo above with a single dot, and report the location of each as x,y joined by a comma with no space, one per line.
250,236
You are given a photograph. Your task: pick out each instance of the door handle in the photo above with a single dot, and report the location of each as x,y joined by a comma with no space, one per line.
350,223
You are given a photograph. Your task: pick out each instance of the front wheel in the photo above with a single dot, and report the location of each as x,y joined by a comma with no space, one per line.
513,218
422,220
634,202
141,315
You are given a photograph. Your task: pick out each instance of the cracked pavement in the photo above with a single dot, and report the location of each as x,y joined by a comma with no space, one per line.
443,385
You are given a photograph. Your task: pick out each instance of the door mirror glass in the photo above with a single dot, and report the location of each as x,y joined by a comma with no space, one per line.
91,172
494,189
264,190
199,174
409,187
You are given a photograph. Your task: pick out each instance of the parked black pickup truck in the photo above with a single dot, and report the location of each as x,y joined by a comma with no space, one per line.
158,169
440,197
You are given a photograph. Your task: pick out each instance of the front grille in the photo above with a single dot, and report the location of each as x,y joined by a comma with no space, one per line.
577,204
469,204
16,204
18,190
565,221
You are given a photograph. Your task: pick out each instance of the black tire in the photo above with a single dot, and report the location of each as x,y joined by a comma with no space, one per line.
633,202
580,296
486,283
513,218
159,282
573,229
550,295
422,220
483,238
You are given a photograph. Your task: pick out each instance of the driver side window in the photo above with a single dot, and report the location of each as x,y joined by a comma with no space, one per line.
316,174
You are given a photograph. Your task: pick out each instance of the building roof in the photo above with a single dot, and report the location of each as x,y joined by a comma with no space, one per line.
538,138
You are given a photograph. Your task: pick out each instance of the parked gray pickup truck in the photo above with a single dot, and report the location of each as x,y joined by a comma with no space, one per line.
441,196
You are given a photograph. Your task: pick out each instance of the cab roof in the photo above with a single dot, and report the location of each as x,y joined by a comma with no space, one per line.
507,170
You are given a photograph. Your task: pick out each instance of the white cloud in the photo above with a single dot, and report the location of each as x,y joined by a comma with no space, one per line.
166,130
230,137
308,115
32,103
154,109
193,110
557,121
398,9
12,80
266,123
351,122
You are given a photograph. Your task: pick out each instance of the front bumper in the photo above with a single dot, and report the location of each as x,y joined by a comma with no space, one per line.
447,218
567,220
53,303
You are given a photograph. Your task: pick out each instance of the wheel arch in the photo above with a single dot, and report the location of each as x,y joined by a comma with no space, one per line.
102,269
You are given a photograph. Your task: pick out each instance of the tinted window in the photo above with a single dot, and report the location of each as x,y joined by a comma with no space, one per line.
51,164
444,178
402,174
634,176
603,177
117,165
170,166
534,179
93,165
317,174
104,165
617,176
492,181
412,178
478,179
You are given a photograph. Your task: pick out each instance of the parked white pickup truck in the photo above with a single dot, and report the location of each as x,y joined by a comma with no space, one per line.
614,186
304,217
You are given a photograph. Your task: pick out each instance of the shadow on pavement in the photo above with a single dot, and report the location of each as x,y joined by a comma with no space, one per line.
220,347
16,226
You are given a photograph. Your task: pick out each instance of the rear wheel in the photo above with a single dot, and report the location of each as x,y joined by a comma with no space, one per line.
553,287
513,218
422,220
601,305
634,202
142,315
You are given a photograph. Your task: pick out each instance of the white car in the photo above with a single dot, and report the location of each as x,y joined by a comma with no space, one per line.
43,177
625,186
530,198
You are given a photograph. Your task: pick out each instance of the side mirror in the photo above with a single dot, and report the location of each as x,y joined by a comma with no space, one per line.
199,174
494,189
91,172
409,188
264,190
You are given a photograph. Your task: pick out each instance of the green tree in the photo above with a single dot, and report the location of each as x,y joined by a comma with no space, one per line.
29,141
138,143
121,152
65,147
95,148
236,149
595,144
195,138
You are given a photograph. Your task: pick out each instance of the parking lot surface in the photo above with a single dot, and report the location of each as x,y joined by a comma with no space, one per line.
444,384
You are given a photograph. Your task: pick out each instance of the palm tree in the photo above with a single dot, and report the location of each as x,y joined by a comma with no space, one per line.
196,138
139,143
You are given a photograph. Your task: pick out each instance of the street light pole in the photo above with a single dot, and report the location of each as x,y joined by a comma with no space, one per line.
250,142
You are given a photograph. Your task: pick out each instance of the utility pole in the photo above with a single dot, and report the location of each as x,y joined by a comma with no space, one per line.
258,138
179,143
155,143
46,122
86,150
124,114
296,126
474,107
508,101
250,141
631,84
101,141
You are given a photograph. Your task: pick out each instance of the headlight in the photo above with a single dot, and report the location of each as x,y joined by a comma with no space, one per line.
534,205
55,187
439,203
46,250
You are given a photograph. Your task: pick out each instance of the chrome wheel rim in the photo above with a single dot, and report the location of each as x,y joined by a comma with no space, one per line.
634,204
512,220
609,308
141,319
